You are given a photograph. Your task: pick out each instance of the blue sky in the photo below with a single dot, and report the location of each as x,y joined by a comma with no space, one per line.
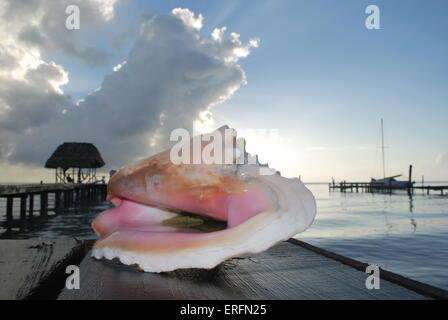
320,78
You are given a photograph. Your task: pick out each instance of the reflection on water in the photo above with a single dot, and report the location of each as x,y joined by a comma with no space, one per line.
72,222
406,234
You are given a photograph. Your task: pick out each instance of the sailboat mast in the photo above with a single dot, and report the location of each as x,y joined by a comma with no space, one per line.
382,147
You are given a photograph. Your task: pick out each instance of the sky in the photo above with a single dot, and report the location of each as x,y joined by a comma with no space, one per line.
305,82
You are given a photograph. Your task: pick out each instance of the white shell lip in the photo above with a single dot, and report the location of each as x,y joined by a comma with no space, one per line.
295,212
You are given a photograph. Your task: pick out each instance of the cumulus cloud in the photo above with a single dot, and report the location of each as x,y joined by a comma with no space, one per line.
30,87
30,102
172,77
40,24
189,18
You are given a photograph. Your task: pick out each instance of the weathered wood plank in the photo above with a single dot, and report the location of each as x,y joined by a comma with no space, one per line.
26,264
286,271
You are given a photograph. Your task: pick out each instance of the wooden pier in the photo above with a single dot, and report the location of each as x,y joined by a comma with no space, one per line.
434,188
65,196
345,186
36,269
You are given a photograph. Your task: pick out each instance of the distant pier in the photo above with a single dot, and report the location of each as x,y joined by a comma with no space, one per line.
65,196
345,186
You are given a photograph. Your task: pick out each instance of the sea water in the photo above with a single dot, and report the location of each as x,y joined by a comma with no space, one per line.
405,234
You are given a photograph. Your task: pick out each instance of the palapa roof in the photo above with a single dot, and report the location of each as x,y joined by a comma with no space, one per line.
75,155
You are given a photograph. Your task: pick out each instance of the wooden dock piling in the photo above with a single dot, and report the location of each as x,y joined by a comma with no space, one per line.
70,196
43,203
31,205
57,201
65,196
76,196
23,199
9,204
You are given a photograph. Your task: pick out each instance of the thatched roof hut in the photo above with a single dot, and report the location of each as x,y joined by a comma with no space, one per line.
75,155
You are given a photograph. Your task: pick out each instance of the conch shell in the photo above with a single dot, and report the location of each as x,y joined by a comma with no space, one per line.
177,215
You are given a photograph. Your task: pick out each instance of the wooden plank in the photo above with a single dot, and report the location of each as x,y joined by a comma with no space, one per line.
26,266
414,285
286,271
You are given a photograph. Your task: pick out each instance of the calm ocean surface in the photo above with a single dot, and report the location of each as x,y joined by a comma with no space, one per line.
403,234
